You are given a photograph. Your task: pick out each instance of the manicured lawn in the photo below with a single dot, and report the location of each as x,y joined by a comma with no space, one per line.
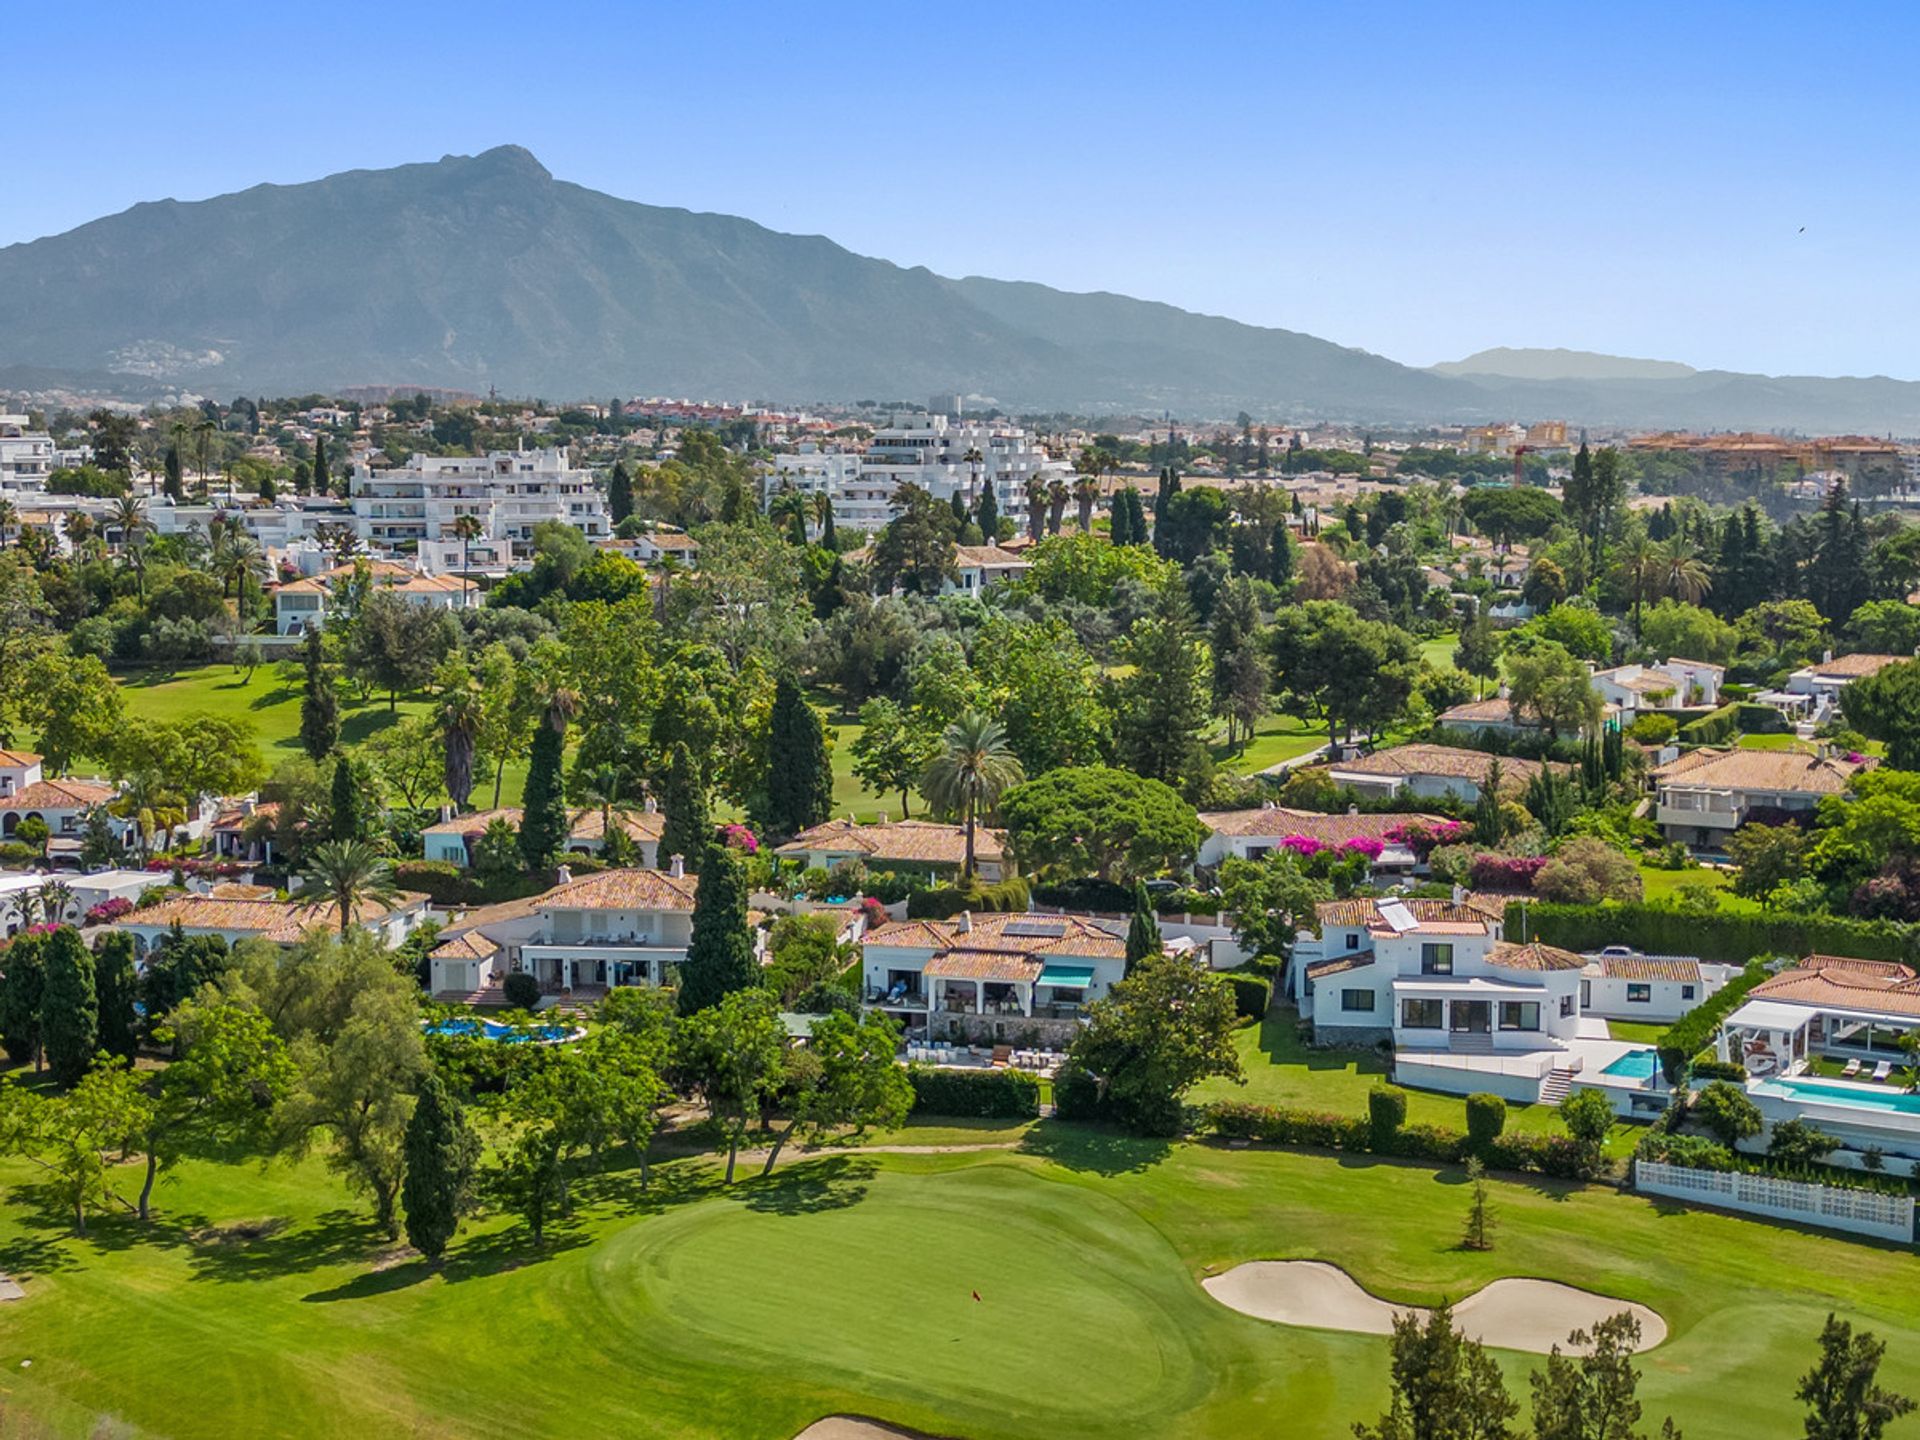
272,707
1661,884
258,1304
1438,652
1773,742
1644,1032
1275,738
1281,1070
850,797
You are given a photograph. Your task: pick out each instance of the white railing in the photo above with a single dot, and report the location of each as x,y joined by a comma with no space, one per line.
1863,1212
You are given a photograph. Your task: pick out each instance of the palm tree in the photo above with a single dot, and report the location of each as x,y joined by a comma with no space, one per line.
56,897
466,529
1057,496
1637,567
349,874
968,776
1036,507
1085,491
9,517
129,517
460,719
973,460
1681,572
602,792
237,557
204,432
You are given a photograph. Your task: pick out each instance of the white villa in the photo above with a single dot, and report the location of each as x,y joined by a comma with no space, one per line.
979,567
1636,690
1706,794
1622,984
307,601
1464,1008
1827,677
583,937
994,977
1254,834
917,844
63,804
452,840
1820,1043
1431,770
280,922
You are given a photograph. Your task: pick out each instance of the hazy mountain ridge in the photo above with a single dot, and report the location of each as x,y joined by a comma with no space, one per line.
485,270
1526,363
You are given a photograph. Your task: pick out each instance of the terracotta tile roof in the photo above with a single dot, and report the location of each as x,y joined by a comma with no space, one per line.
640,824
1434,927
1000,966
60,795
1786,771
1852,667
1649,967
234,890
236,817
469,945
623,890
475,822
1842,983
1322,968
908,841
1512,955
988,557
1447,761
19,759
1491,711
282,921
1363,914
1278,822
1023,934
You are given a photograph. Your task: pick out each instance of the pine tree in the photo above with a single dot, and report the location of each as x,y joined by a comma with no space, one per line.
619,493
319,705
321,481
69,1010
799,777
441,1150
348,818
116,987
986,512
720,953
685,826
1143,930
543,823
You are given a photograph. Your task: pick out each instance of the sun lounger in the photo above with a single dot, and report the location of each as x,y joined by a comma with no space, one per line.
1850,1069
1883,1071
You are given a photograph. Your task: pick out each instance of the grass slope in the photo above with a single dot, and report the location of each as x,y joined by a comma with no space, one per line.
846,1284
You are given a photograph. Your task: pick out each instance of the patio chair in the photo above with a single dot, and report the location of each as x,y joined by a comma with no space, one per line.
1883,1071
1851,1068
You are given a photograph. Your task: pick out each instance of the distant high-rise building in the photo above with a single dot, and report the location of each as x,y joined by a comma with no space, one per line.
951,406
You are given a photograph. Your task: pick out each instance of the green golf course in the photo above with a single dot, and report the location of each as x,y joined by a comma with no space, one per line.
261,1302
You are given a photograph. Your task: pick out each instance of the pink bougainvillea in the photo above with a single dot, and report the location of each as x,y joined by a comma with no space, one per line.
1504,872
1305,846
875,913
109,910
740,838
1365,845
1424,839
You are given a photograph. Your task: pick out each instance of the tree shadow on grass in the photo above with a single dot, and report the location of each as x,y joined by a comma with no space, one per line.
265,1252
1101,1149
810,1187
495,1253
279,695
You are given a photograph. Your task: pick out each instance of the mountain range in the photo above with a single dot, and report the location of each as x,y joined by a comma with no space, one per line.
486,271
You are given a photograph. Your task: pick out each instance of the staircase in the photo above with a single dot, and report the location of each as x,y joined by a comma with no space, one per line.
1555,1087
1464,1043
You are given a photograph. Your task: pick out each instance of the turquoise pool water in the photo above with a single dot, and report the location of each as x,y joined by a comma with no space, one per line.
1634,1065
493,1030
1855,1095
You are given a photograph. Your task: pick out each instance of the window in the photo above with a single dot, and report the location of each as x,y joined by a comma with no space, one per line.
1519,1015
1639,994
1686,992
1357,1000
1566,1007
1436,959
1353,941
1420,1014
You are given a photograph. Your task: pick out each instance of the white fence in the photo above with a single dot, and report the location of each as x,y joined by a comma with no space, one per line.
1864,1212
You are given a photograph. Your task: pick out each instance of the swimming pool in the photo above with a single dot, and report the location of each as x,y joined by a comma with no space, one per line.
1634,1065
505,1034
1858,1096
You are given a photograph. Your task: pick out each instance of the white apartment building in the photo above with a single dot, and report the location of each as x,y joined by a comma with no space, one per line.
28,457
507,491
930,451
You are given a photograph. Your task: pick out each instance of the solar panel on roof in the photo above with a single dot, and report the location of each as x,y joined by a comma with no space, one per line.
1036,929
1398,917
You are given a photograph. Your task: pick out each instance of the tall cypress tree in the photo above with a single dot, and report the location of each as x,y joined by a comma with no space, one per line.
116,987
321,480
23,984
348,819
69,1010
799,776
1143,930
797,530
720,953
543,823
441,1152
1120,526
619,493
986,513
175,483
685,826
827,536
319,705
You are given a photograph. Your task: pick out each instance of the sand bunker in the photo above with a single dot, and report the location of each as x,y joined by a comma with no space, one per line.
854,1427
1531,1315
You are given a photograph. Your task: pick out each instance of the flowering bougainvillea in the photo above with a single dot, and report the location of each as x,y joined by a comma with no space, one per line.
1367,845
1504,872
109,910
740,838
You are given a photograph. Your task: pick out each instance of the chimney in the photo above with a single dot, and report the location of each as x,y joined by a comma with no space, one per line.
1459,894
1826,657
965,927
1269,805
653,806
883,817
1353,809
677,867
446,813
563,876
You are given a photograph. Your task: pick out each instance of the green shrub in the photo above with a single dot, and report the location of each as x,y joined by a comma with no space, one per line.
521,990
943,903
1553,1155
1076,1094
441,881
1428,1142
1486,1118
1252,993
975,1094
1275,1125
1386,1113
1761,720
1716,727
1694,1031
1709,1069
1726,937
1694,1152
1727,1112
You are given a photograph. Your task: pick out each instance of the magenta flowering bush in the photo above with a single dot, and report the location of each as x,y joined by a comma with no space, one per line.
1424,839
1366,845
1504,872
875,912
108,910
1305,846
738,837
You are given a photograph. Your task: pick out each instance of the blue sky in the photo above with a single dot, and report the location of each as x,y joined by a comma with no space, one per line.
1418,180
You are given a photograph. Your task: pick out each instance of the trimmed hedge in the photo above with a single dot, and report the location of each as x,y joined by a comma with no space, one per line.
1761,720
1009,896
1252,994
1486,1119
1386,1113
441,881
975,1094
1734,939
1690,1034
1717,1070
1714,728
1558,1156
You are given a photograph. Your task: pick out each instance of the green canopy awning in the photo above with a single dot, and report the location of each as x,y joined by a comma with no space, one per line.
1068,976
